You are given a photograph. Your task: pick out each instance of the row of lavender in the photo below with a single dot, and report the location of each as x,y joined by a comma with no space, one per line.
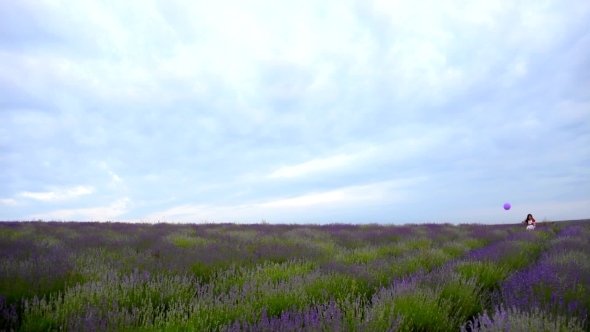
442,299
79,276
553,295
40,258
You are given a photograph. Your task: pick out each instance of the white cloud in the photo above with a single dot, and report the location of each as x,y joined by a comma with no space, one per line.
335,196
388,192
349,195
102,213
399,149
116,181
9,201
59,195
115,178
312,166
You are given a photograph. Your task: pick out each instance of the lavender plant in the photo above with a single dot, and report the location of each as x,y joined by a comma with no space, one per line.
225,277
514,319
559,285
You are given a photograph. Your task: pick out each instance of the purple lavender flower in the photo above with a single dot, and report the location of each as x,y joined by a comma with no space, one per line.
559,283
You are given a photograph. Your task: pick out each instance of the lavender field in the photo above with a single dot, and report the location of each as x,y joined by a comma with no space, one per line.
68,276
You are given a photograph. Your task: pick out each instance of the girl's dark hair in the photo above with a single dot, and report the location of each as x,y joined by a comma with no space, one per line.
529,215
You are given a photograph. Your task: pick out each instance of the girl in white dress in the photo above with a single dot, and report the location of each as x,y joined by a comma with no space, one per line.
530,221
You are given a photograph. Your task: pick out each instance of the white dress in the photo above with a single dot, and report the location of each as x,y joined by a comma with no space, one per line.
530,226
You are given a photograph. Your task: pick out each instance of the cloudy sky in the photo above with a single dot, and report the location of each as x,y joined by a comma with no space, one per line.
294,111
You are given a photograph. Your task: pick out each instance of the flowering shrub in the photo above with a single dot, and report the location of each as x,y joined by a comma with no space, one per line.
262,277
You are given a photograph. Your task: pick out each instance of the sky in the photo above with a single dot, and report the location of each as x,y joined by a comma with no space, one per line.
317,112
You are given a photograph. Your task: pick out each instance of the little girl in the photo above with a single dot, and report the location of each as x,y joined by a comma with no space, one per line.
530,221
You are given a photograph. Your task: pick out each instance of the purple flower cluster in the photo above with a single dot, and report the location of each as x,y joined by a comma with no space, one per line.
113,276
456,297
318,318
560,282
557,286
497,252
514,319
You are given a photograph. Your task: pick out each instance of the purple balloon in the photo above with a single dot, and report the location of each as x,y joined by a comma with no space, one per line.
507,206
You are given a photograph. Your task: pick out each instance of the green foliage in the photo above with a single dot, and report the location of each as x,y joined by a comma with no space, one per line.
268,272
526,253
532,319
335,286
164,278
465,298
473,243
205,272
422,311
185,241
487,274
455,248
420,244
369,254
